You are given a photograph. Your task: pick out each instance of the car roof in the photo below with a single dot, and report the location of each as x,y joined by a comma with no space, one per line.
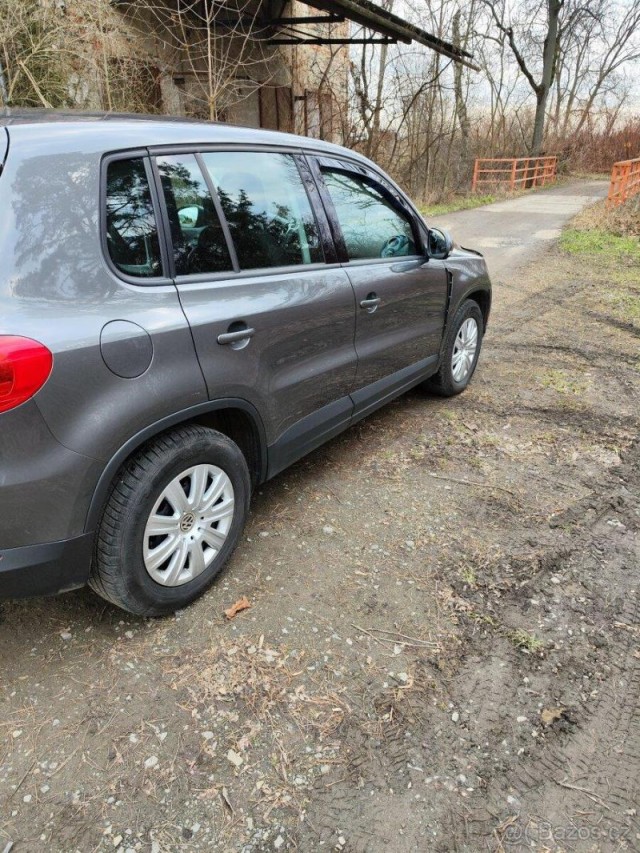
113,131
28,115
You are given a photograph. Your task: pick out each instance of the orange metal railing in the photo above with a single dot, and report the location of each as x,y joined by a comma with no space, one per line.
625,181
514,172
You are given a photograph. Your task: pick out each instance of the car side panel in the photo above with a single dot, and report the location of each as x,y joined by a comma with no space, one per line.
56,288
301,356
44,487
406,327
469,274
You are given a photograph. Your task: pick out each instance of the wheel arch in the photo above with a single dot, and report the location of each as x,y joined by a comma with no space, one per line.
483,298
235,418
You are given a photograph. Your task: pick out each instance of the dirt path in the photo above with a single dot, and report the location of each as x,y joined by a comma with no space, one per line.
443,649
516,231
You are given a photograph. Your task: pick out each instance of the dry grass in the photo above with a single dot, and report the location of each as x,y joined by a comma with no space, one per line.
621,221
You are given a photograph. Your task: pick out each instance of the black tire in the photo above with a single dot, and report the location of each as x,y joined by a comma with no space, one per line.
444,382
118,571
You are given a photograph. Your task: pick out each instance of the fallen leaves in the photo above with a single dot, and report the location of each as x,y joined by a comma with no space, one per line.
550,715
240,605
234,758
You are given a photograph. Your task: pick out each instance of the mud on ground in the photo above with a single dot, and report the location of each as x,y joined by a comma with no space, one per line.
443,648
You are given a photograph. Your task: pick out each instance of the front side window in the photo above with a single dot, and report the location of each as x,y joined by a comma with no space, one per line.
199,244
132,233
267,208
371,225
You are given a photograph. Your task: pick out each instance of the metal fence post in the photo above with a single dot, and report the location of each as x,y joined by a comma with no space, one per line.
474,183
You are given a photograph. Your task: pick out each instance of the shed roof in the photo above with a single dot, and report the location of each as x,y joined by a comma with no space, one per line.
374,17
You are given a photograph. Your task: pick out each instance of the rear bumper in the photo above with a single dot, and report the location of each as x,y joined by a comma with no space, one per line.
45,569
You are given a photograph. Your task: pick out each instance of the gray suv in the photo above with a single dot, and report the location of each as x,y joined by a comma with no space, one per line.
185,310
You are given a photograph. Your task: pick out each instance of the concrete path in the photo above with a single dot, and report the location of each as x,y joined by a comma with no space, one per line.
510,233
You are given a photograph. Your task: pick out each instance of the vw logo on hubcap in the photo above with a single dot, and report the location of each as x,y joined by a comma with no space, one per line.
187,522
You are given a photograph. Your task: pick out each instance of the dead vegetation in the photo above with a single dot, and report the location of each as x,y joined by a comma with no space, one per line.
621,221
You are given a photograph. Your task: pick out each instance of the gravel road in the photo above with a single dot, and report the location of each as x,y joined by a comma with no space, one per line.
443,646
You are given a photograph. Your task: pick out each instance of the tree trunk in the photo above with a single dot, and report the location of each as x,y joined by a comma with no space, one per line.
538,123
548,74
461,106
4,96
377,108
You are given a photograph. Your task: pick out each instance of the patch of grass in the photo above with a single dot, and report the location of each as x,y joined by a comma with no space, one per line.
521,639
525,641
591,176
627,306
597,241
608,232
468,575
563,382
623,220
465,202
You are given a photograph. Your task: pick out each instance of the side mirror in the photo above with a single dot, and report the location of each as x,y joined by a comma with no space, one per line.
189,216
440,244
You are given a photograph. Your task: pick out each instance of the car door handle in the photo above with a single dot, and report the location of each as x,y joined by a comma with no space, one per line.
371,302
236,336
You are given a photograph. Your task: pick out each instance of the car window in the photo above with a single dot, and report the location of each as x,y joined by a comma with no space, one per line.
267,208
132,233
199,244
371,225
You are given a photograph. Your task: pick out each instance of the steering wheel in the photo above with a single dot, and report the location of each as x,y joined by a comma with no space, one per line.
395,246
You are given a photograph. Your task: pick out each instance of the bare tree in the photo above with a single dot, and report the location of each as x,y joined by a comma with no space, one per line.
599,39
462,113
541,86
33,58
121,54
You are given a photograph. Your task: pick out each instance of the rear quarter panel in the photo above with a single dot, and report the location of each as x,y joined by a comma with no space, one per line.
56,288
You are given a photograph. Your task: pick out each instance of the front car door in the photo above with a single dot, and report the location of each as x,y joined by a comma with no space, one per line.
272,321
401,294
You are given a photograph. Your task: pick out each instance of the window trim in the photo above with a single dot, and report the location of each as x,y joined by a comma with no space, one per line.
226,230
226,277
367,176
360,166
166,225
328,208
317,210
317,206
133,154
207,147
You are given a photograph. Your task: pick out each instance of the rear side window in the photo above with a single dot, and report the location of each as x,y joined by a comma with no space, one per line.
132,232
371,225
267,208
199,244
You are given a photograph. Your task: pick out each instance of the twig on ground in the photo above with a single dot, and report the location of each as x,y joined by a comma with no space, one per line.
471,483
400,639
22,780
590,794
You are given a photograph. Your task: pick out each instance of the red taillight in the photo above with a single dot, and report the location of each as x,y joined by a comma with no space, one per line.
25,366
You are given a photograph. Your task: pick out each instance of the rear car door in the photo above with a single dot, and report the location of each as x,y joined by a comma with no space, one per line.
271,310
401,294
